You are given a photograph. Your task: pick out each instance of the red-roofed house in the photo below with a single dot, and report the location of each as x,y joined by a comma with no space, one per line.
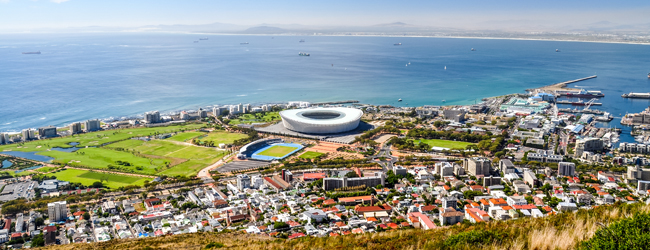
350,201
420,220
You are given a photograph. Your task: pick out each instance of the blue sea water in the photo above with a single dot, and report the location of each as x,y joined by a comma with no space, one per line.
79,77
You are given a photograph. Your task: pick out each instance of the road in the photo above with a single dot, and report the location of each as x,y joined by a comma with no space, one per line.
206,171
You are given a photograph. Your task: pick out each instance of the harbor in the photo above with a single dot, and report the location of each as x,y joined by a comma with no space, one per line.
578,103
636,95
582,111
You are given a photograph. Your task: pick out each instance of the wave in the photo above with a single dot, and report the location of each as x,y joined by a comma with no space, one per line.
242,95
43,118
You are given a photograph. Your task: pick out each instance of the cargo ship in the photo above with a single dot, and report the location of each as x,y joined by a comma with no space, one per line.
203,38
303,54
32,53
636,95
397,44
244,43
302,40
584,94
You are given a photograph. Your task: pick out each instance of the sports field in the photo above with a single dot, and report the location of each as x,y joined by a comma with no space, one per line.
218,137
310,155
277,151
87,178
113,150
187,136
444,143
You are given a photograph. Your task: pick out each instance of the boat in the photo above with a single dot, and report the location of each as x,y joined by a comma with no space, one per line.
557,50
244,43
302,41
32,53
584,94
303,54
473,49
636,95
399,100
205,38
445,67
606,117
444,100
648,75
397,44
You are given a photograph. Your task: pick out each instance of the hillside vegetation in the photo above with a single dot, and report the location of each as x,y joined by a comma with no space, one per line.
617,226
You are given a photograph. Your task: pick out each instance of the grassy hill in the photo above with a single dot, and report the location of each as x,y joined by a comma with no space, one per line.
562,231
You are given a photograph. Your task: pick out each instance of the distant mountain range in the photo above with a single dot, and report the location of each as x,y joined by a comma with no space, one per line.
525,29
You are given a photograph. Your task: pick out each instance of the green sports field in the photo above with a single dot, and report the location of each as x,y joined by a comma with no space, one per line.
87,178
444,143
187,136
310,155
218,137
277,151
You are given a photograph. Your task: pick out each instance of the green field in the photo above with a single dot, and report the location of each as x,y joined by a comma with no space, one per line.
114,151
187,136
87,178
310,155
95,138
256,118
277,151
218,137
444,143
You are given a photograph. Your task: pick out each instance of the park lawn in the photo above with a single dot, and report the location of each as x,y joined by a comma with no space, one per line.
444,143
218,137
44,169
310,155
96,138
198,158
87,178
100,158
182,137
277,151
188,168
256,118
154,147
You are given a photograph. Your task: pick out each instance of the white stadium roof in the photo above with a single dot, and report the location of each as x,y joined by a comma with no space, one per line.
321,120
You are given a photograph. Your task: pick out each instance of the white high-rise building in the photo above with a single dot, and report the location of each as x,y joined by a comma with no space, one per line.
243,182
57,211
92,125
75,128
256,181
2,138
28,134
152,117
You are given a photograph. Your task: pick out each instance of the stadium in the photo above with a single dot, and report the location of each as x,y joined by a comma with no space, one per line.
321,120
268,149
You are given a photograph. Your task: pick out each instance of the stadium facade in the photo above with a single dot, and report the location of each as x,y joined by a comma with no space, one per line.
321,120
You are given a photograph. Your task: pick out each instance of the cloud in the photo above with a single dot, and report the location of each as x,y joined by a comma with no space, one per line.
56,1
4,1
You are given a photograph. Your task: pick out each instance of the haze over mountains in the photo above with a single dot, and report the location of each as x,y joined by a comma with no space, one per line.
603,31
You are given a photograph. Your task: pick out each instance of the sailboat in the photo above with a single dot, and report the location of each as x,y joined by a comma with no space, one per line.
445,67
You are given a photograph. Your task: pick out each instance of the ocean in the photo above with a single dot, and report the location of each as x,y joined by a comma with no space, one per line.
83,76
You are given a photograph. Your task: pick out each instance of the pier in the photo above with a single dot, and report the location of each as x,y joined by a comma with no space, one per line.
578,103
583,111
562,85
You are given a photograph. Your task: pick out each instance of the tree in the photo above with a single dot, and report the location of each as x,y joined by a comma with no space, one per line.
97,184
38,241
86,216
351,174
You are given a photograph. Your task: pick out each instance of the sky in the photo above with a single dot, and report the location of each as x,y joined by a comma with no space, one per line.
32,14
